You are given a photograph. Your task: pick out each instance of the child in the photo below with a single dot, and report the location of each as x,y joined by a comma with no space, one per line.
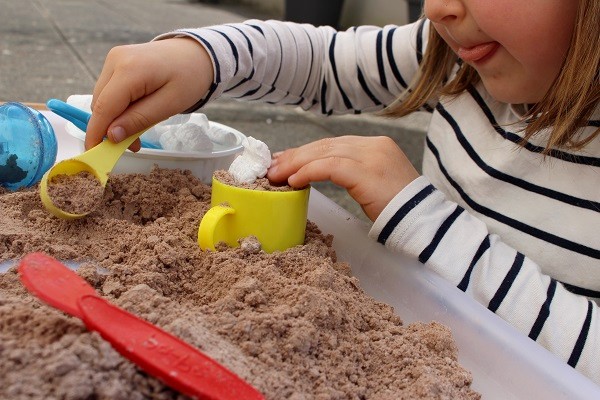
508,206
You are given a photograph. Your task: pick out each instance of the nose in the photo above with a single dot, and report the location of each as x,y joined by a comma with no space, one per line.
444,11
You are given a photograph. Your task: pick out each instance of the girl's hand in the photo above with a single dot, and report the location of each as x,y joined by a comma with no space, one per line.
372,169
143,84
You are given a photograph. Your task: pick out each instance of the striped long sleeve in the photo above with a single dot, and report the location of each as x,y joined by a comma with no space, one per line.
511,227
359,70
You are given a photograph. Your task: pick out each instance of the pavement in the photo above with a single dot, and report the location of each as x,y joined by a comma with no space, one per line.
55,48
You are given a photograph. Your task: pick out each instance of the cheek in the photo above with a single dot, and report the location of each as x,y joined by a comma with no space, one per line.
540,57
539,37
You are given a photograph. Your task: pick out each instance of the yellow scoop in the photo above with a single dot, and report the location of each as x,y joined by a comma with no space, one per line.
98,161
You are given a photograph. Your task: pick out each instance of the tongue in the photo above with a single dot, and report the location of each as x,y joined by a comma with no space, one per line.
476,52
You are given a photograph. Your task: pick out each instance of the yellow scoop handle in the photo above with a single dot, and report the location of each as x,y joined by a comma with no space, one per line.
99,161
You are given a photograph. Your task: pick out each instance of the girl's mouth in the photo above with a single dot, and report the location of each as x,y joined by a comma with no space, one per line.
478,53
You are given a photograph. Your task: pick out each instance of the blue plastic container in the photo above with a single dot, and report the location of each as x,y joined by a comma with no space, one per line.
27,146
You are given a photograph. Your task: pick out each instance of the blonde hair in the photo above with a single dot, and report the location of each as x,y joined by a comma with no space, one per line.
566,107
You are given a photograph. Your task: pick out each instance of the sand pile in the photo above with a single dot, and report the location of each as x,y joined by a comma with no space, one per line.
294,324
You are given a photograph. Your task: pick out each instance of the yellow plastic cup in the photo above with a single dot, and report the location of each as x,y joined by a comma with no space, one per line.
277,219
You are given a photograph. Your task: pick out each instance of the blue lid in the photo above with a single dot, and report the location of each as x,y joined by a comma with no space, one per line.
27,146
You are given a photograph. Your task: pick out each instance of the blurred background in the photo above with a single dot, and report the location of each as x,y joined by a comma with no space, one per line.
56,48
338,13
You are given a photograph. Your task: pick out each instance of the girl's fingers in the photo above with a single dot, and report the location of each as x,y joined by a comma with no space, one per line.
372,169
114,98
288,162
340,171
105,76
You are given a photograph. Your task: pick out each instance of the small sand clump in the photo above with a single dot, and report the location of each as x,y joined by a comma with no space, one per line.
295,324
79,193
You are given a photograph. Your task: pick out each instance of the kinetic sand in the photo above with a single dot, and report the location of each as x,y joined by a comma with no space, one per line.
294,324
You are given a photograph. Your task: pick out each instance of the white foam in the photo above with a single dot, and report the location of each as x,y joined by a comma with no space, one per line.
221,136
252,163
154,134
186,137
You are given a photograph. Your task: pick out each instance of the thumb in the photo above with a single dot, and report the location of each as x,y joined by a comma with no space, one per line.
138,117
117,134
132,121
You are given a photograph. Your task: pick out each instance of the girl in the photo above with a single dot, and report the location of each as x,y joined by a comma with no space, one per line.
508,204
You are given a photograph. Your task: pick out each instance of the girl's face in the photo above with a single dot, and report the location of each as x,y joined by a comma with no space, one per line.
516,46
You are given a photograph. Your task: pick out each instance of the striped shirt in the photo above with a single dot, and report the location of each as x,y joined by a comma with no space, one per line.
515,230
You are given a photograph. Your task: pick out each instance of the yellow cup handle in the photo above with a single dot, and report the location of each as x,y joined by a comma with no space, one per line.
208,225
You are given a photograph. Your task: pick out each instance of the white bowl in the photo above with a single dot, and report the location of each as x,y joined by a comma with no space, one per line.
202,164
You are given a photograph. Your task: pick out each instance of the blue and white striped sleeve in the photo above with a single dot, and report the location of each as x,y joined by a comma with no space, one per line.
421,223
362,69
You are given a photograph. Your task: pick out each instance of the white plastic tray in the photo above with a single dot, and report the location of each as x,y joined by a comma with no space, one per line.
505,363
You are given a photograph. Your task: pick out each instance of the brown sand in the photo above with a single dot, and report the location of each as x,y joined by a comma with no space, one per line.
80,193
294,324
259,184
